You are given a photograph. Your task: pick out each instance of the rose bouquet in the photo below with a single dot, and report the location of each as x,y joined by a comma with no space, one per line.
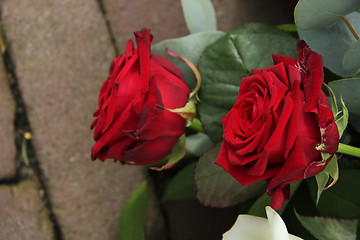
257,117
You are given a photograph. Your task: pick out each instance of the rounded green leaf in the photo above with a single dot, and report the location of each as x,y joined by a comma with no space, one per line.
225,62
351,61
198,144
314,14
333,43
217,188
199,15
349,89
189,47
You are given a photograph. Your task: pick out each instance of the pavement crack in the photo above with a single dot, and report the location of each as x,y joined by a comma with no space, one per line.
28,166
108,26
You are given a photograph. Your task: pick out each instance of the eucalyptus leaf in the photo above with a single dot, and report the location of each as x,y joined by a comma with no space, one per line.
329,228
350,62
225,62
189,47
181,187
199,15
217,188
349,89
198,144
334,42
314,14
133,215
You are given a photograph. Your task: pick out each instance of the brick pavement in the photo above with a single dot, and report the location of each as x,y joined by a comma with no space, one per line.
7,108
61,52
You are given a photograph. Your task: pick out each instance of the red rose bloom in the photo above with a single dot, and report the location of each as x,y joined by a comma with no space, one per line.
132,124
280,125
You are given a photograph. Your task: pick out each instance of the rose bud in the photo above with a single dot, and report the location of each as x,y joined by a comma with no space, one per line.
279,126
134,123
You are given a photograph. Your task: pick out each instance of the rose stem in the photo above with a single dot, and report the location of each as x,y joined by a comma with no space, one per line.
196,125
349,150
350,27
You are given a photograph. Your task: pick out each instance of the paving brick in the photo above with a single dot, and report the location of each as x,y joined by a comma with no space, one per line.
7,141
166,20
62,52
231,14
163,17
22,214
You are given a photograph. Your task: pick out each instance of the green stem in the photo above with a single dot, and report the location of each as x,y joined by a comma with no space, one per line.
350,27
196,125
349,150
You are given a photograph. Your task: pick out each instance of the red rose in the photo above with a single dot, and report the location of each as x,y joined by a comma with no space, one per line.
132,124
280,125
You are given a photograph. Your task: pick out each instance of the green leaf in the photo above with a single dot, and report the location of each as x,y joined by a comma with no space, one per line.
181,187
177,153
133,215
189,47
258,208
314,14
199,15
333,43
343,199
349,89
329,228
198,144
350,62
217,188
232,57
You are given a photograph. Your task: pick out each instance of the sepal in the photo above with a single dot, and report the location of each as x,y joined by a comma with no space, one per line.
177,153
328,177
188,111
341,121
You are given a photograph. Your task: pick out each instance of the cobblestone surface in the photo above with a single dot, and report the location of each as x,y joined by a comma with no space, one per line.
22,213
7,110
61,64
61,51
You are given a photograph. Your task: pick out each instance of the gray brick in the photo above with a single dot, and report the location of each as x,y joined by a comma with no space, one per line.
22,214
7,141
62,52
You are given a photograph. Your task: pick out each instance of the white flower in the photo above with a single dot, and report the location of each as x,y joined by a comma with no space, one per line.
248,227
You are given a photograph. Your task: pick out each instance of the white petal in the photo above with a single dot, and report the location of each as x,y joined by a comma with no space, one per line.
292,237
277,225
249,227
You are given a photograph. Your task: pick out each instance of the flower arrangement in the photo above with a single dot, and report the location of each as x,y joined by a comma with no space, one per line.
260,116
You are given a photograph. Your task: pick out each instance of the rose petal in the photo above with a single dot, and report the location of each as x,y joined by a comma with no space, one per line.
250,228
277,225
